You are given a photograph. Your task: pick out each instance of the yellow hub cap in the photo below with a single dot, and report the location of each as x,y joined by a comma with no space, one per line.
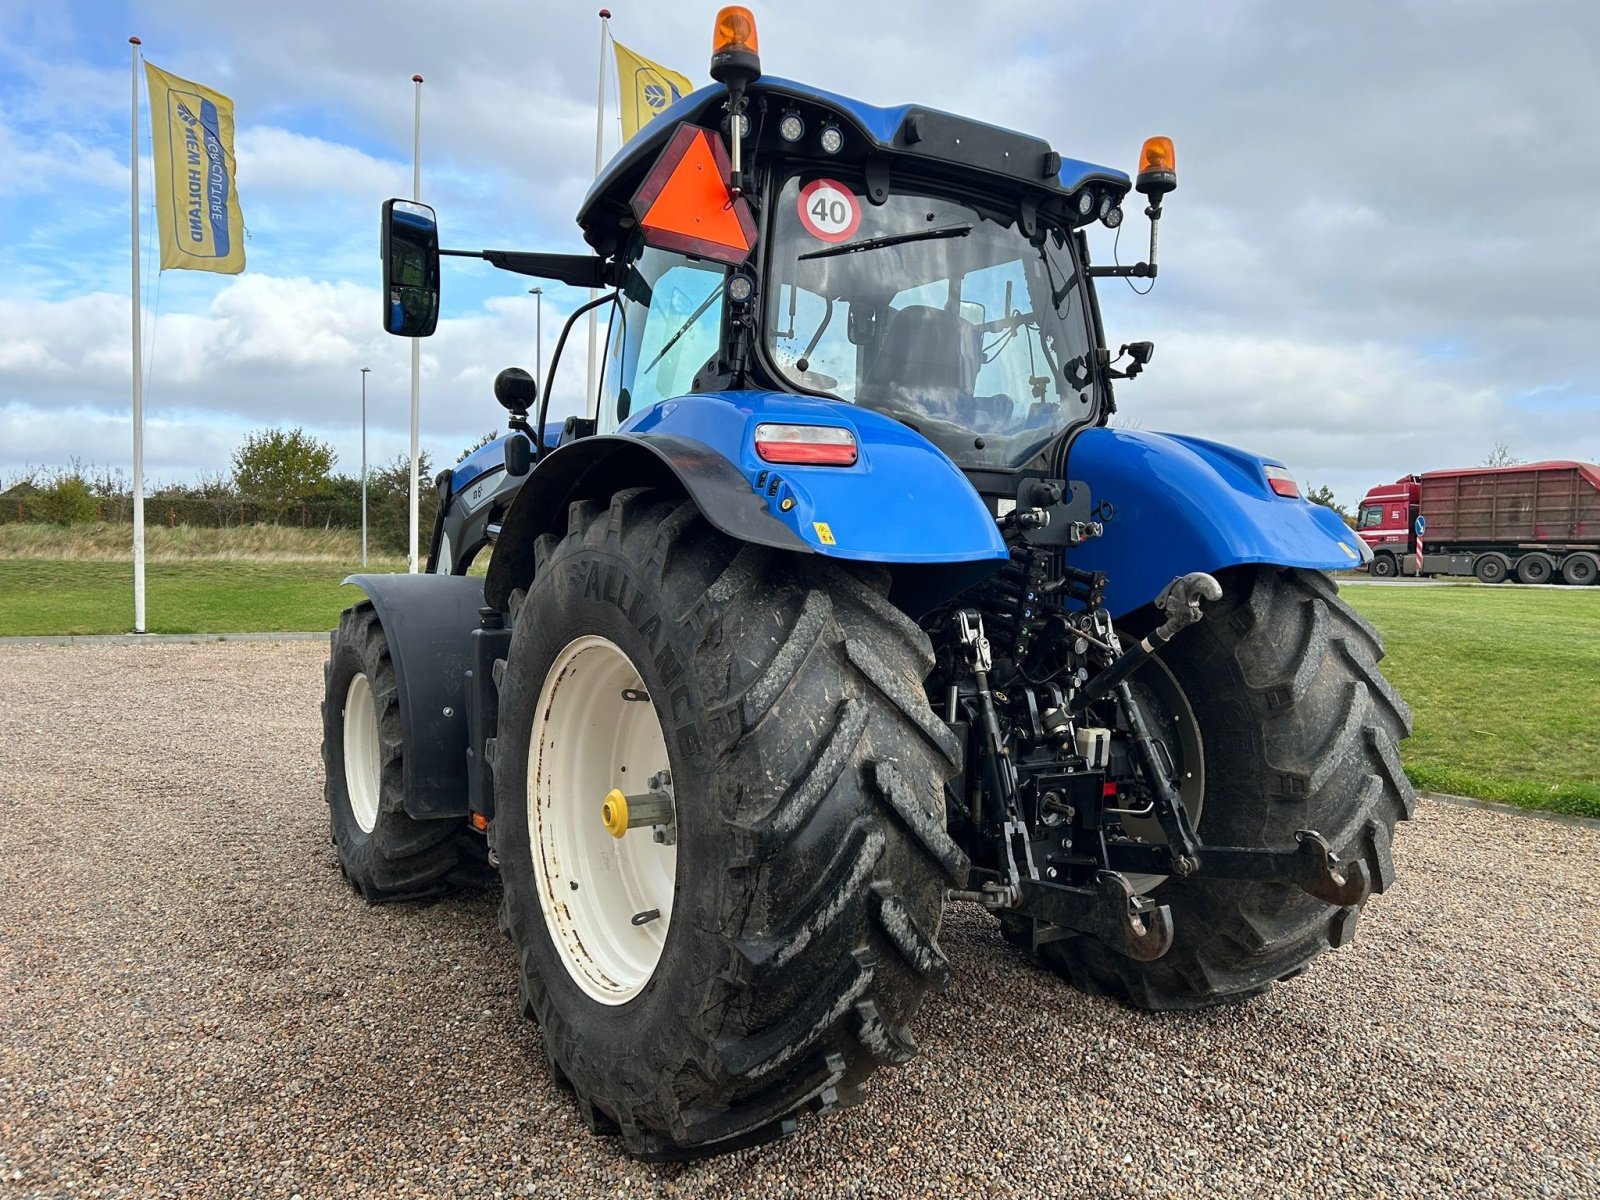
614,813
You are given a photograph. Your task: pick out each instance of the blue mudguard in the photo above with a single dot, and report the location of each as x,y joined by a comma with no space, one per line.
903,502
1185,504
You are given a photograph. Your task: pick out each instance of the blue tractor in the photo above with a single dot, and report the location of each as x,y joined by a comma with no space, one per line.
844,603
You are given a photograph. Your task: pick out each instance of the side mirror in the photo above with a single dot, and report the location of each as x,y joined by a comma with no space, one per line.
519,455
410,269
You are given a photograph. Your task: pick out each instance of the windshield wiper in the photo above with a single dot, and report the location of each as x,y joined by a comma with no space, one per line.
892,239
684,328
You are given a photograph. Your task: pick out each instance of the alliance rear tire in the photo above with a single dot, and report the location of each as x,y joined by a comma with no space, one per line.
385,854
1300,731
811,857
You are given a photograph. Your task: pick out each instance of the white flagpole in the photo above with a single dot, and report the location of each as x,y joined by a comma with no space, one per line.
416,343
138,364
599,136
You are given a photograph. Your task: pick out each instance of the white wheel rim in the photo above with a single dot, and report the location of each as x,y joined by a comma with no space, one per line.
586,740
361,767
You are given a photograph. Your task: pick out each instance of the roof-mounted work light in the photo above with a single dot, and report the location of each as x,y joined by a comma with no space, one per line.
735,61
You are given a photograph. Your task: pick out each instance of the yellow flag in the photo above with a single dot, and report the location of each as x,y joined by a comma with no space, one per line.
647,89
197,204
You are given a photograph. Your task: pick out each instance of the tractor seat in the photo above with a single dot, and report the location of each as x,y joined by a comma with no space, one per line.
927,363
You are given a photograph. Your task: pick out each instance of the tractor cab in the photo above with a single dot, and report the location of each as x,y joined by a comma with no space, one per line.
904,260
765,235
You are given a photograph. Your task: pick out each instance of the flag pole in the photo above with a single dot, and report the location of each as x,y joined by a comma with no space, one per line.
416,344
599,136
138,358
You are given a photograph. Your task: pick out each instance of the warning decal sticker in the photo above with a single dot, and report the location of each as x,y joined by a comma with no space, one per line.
829,210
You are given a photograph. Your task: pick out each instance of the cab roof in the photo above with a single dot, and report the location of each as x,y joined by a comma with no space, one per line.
906,135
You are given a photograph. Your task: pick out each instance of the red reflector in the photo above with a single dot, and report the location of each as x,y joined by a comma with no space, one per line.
1108,790
811,445
1281,482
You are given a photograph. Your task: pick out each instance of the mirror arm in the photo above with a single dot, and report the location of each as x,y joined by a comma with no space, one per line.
555,359
1144,270
1137,271
578,270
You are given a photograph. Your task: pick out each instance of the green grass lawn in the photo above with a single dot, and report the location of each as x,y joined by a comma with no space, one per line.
44,596
1503,681
1503,684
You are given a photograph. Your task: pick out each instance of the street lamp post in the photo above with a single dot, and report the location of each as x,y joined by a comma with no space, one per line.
364,371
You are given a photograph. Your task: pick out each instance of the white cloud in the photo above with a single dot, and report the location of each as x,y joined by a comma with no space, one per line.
1381,257
265,351
280,165
1348,415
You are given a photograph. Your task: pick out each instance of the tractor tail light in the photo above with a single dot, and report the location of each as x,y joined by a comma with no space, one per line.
809,445
1280,481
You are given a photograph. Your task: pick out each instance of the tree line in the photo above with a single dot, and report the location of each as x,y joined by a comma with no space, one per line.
278,477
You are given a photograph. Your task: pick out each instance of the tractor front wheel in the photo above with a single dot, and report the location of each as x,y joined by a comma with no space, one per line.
719,819
385,854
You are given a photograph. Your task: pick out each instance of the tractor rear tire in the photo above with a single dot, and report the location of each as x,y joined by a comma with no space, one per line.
1299,731
811,857
385,854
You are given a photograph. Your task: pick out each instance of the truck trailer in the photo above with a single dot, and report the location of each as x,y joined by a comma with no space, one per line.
1534,522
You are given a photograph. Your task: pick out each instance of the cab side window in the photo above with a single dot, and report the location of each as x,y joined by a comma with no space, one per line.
668,326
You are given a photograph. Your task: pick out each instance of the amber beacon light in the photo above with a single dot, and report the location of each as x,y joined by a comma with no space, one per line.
735,61
735,46
1158,167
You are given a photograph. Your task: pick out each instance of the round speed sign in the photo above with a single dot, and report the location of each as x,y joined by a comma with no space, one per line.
829,210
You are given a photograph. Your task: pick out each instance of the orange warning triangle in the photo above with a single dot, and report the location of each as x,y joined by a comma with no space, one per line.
684,203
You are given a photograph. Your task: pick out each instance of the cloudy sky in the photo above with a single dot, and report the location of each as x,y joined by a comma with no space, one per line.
1382,256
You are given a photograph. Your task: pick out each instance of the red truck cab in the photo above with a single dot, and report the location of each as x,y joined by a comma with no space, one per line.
1387,519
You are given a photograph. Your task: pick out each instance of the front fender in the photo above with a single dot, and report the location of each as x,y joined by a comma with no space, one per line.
428,621
1185,504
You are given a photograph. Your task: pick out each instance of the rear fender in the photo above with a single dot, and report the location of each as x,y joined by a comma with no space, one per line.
1184,504
903,504
428,621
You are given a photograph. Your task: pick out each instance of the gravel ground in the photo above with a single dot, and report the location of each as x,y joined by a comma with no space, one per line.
196,1005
